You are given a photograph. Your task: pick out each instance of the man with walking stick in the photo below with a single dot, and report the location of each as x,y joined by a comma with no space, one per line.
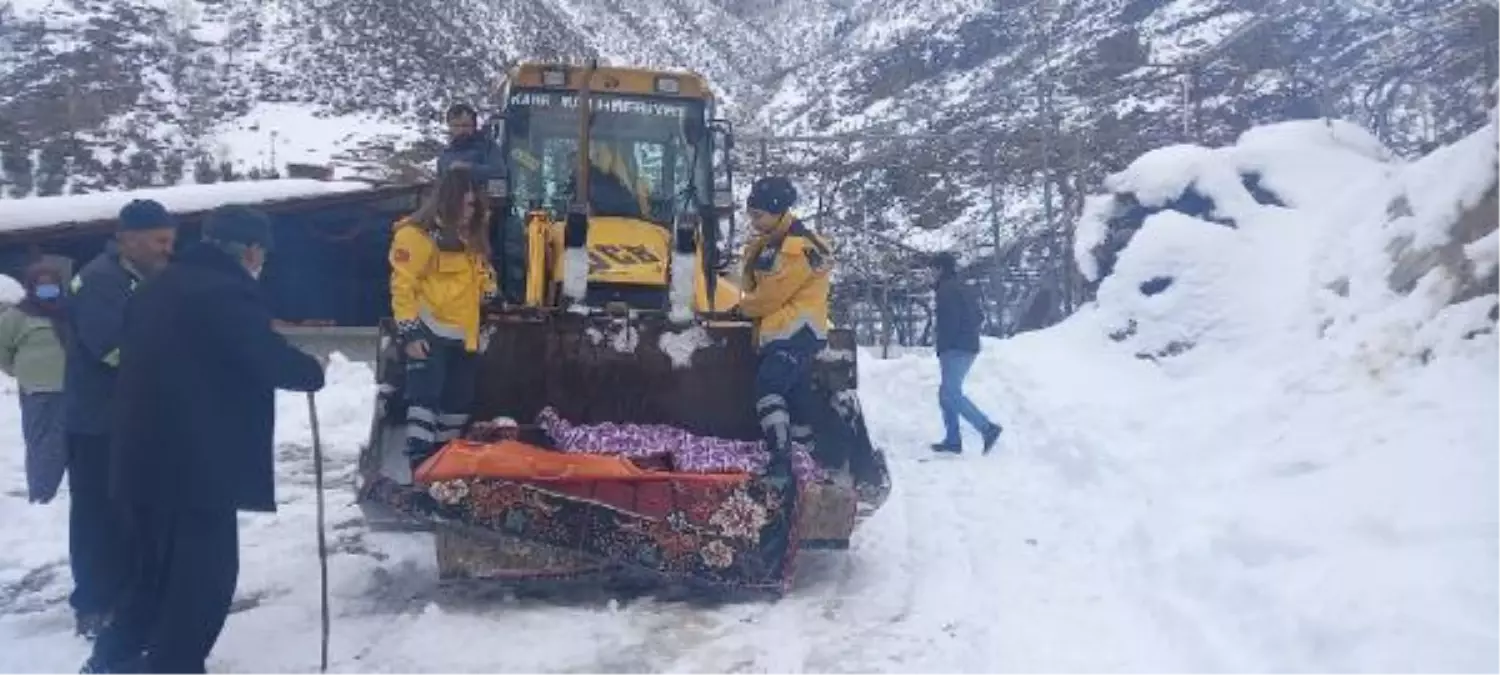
199,367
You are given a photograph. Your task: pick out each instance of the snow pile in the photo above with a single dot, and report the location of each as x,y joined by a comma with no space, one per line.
1223,250
680,346
1409,271
1295,164
1292,396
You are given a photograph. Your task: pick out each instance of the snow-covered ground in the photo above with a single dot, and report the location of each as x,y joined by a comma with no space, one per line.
1310,486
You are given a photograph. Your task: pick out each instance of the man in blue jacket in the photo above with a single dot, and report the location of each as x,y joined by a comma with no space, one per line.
467,145
959,318
98,550
193,441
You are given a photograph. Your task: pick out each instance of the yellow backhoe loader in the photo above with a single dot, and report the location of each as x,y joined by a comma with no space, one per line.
606,227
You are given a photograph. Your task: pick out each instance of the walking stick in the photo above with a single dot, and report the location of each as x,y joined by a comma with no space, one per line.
312,416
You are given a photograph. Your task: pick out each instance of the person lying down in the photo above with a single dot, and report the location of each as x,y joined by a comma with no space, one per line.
653,446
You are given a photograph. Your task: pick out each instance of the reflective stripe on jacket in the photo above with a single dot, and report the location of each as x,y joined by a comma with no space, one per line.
786,281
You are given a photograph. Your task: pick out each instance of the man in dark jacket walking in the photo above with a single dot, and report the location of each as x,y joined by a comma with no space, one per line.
95,315
193,441
958,320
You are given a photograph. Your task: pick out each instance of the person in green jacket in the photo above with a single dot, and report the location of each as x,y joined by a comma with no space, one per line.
31,352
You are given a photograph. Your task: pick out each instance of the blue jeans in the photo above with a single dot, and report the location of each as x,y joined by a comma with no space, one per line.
955,367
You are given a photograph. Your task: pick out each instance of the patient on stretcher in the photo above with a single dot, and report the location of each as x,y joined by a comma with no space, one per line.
657,447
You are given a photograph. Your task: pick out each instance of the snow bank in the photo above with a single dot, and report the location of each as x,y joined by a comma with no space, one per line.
1291,396
20,214
1296,164
1298,229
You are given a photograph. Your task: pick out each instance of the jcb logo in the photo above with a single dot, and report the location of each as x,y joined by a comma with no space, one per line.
608,256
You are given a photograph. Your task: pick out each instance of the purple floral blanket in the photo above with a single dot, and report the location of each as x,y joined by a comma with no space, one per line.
686,452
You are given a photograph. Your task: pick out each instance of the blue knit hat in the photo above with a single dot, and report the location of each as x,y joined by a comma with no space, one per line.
236,224
944,262
145,214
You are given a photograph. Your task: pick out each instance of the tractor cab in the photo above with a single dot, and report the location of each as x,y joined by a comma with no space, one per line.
648,182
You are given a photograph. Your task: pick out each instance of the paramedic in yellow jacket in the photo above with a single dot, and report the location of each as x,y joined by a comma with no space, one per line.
440,276
786,295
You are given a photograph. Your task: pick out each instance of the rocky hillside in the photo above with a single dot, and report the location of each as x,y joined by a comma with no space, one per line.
104,94
1010,91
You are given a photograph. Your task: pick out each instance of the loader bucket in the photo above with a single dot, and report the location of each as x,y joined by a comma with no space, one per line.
600,369
643,370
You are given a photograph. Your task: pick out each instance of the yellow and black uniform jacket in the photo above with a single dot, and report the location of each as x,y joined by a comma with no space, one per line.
786,282
439,290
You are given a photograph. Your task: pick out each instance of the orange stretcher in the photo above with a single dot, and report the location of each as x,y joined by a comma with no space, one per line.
515,460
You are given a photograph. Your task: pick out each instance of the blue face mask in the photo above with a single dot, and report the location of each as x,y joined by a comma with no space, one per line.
49,291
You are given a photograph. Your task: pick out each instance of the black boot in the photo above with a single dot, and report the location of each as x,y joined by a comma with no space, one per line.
949,448
94,664
991,435
89,624
417,452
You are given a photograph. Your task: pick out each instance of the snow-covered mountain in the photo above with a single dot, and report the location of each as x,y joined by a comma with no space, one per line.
104,94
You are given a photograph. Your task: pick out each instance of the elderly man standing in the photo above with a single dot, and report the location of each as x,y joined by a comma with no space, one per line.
193,442
95,317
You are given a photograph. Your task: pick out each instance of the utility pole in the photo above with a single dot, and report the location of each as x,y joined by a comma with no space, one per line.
1045,91
1056,258
994,170
1187,105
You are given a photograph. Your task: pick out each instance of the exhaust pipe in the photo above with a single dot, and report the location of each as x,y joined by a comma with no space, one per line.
576,256
684,268
576,233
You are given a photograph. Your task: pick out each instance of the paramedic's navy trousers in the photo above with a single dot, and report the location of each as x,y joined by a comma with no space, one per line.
783,392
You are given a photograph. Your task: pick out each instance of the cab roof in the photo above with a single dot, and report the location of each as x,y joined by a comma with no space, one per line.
624,80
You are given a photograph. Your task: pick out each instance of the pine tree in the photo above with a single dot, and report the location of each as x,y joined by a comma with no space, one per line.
172,169
204,171
142,170
52,169
16,165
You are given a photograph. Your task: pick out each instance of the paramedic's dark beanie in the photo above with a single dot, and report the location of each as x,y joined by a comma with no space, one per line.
145,214
772,194
236,224
945,263
457,109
